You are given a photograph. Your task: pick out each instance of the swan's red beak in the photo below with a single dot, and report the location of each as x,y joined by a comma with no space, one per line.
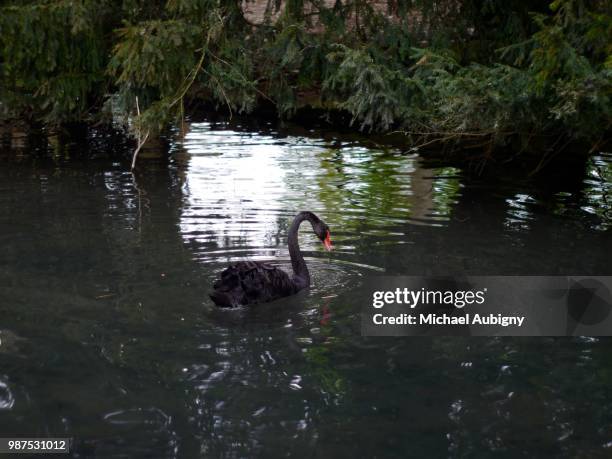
327,242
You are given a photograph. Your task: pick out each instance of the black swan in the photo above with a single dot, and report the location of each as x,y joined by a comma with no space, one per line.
252,282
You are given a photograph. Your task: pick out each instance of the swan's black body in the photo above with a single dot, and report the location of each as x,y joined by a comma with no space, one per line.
252,282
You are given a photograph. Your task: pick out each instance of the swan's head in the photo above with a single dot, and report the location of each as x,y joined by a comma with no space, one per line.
322,231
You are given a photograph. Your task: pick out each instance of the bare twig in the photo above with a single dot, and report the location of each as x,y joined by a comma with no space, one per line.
451,134
227,101
257,90
190,79
140,144
194,73
141,140
546,158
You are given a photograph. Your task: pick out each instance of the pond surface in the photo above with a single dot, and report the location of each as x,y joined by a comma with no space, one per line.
107,334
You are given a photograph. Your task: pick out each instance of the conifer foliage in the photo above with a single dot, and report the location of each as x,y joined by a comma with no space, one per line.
477,71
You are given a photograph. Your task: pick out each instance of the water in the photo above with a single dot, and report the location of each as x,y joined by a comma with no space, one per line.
107,334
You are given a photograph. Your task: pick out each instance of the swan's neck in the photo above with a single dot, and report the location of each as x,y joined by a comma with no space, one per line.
300,270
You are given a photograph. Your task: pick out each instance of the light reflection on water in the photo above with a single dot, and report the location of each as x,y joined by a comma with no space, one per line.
108,334
598,189
242,190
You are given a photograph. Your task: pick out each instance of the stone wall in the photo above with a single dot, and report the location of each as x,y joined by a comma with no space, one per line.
256,11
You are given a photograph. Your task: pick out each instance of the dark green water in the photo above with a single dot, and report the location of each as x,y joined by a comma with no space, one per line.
107,334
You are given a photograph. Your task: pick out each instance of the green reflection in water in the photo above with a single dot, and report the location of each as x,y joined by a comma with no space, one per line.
370,189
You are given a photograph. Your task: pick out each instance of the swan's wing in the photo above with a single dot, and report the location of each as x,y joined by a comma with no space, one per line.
266,282
250,282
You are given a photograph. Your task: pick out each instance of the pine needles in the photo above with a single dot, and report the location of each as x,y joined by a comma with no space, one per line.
486,73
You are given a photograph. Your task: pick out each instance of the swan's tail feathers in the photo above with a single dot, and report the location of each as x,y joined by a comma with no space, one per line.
222,299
